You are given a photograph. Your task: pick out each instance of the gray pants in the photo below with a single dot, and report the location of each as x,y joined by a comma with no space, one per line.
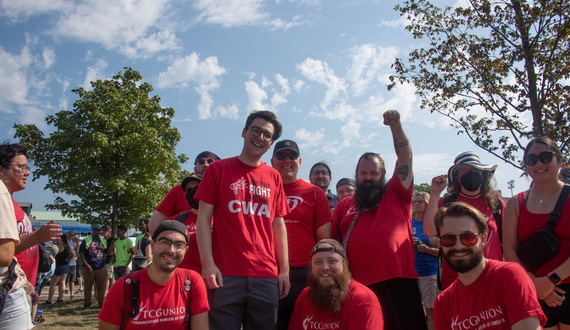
251,301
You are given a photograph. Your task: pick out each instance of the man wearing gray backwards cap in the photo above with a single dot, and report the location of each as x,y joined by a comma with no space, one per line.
162,295
309,221
468,181
345,187
175,201
333,299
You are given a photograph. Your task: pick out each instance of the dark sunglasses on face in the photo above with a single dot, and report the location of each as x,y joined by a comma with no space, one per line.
201,161
468,239
545,157
284,155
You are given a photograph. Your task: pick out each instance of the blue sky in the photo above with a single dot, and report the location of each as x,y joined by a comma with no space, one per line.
322,66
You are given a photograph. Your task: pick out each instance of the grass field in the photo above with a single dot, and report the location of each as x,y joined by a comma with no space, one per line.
67,314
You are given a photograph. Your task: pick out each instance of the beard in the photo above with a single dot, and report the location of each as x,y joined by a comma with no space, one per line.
368,194
463,266
330,298
190,198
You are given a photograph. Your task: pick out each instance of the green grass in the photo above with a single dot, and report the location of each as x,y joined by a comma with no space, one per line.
67,314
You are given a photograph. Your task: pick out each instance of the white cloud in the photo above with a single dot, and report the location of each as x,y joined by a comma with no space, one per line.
348,133
320,72
368,64
23,9
401,22
93,73
231,111
190,71
133,27
230,13
255,95
33,115
13,76
279,24
49,57
309,139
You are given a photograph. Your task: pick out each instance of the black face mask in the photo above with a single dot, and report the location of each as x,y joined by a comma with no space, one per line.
471,181
190,198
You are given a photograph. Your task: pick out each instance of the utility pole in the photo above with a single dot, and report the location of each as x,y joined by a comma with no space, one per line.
511,186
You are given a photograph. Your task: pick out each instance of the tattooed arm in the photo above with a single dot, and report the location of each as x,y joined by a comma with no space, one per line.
402,146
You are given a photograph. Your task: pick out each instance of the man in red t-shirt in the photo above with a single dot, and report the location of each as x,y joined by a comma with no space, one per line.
175,202
468,181
169,297
245,262
188,218
333,299
309,222
375,227
488,294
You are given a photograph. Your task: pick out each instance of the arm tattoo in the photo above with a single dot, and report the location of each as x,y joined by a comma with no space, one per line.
402,171
401,144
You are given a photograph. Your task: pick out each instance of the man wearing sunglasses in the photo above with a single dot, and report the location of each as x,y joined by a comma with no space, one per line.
175,201
245,262
309,222
488,293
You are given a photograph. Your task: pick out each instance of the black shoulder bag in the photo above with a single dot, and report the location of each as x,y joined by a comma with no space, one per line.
544,245
4,289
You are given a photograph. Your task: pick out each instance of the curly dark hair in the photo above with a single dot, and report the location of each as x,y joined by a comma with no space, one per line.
10,150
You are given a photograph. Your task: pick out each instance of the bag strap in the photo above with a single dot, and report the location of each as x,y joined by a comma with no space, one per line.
555,214
347,235
186,277
131,305
181,217
7,286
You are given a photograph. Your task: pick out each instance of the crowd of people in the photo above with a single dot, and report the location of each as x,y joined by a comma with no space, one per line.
240,244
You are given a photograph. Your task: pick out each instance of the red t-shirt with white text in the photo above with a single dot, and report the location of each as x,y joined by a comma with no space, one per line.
360,311
309,211
161,306
501,296
29,258
380,246
246,199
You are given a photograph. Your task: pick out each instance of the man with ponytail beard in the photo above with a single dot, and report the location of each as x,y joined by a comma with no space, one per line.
468,181
333,299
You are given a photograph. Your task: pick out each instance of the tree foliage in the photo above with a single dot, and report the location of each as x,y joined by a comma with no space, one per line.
498,69
114,151
422,187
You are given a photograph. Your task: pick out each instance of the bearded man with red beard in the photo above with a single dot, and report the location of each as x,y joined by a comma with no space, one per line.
333,299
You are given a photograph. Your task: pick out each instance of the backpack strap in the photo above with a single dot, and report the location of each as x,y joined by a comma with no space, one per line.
186,279
181,217
557,211
131,304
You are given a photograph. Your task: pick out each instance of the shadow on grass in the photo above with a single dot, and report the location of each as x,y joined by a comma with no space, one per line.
68,315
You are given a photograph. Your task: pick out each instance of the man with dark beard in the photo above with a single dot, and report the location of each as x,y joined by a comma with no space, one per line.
375,227
188,218
333,300
162,295
488,293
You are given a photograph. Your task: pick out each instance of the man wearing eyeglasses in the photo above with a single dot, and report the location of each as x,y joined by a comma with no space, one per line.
166,296
175,201
244,256
309,222
488,294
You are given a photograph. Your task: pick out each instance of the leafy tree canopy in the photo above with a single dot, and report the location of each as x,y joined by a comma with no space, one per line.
422,187
114,151
498,69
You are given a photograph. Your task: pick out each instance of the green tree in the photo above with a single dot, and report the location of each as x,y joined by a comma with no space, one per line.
422,187
114,151
506,58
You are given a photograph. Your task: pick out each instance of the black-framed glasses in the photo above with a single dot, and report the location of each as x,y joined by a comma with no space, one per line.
467,238
22,167
201,161
256,131
283,155
165,243
545,157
